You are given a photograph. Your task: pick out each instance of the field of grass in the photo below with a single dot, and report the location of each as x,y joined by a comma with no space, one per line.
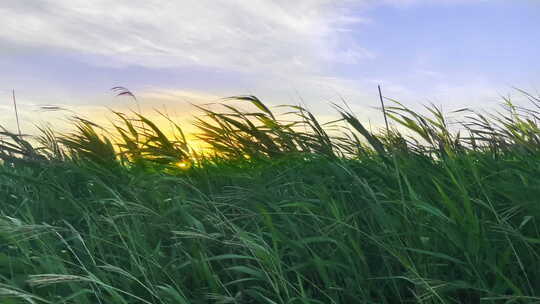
285,209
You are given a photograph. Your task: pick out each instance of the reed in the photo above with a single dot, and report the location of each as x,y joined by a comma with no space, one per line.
282,210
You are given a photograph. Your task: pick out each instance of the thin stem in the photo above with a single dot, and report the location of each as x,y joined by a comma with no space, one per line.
16,112
384,110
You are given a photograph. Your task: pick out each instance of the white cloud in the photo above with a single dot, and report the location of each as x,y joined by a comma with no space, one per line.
404,3
284,45
260,35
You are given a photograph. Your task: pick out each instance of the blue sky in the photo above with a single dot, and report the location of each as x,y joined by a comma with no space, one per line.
451,52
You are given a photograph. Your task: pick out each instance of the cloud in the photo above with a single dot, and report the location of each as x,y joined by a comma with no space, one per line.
403,3
283,49
260,35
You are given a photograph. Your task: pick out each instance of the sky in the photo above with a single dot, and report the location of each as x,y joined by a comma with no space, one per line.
170,54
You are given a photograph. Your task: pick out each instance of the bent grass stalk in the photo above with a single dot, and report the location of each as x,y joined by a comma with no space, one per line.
283,211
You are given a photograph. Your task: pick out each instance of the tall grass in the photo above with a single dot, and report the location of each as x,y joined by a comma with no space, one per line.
285,209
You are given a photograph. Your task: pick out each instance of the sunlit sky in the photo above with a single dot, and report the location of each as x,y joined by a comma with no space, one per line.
171,53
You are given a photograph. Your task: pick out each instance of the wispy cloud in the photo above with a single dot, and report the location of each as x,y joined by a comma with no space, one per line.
312,51
412,2
235,34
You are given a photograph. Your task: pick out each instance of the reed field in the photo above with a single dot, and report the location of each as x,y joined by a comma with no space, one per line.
282,208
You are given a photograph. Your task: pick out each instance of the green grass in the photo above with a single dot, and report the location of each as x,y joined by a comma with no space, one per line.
282,211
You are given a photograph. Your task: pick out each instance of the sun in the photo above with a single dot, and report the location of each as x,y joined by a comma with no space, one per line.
184,164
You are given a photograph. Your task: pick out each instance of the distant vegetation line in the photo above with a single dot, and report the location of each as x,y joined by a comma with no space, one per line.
282,209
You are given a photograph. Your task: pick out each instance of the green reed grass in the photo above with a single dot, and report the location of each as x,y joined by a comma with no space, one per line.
281,210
